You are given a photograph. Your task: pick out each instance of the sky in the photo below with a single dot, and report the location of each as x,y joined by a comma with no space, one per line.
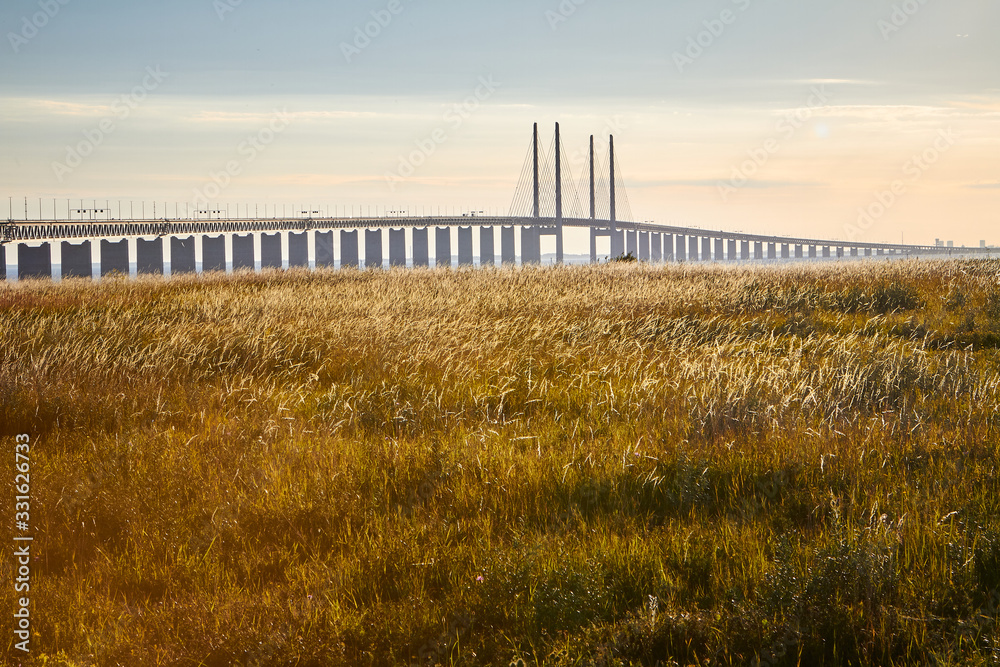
839,119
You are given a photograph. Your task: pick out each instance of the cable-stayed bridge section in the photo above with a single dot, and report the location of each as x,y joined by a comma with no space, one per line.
547,200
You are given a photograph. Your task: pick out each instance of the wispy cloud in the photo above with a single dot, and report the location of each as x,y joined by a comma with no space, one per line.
831,82
313,179
879,112
32,107
253,116
714,183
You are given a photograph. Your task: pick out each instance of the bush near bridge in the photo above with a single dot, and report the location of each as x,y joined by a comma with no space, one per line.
615,465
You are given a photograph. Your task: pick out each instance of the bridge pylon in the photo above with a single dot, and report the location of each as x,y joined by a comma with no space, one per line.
559,199
537,188
617,237
593,206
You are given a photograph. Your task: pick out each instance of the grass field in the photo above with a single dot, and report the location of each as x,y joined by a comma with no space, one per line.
606,465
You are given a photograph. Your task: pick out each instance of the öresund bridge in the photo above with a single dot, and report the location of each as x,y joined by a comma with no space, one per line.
546,202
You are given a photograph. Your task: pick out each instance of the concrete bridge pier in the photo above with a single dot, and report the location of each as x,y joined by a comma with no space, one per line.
349,248
36,261
680,247
812,252
324,253
772,251
826,252
744,250
693,248
656,247
465,246
854,252
421,252
442,247
33,261
76,260
148,256
271,251
114,257
508,248
758,250
731,253
397,248
243,255
785,251
298,250
487,256
706,249
593,246
373,248
213,253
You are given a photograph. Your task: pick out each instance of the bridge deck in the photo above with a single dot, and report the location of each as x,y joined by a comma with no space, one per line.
42,230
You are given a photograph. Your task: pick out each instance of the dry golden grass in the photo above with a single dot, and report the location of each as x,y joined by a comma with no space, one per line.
574,466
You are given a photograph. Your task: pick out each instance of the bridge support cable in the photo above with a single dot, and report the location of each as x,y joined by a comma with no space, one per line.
541,182
572,208
535,194
601,193
547,182
622,206
521,205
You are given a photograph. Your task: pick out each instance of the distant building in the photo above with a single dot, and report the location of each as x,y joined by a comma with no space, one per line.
982,244
951,244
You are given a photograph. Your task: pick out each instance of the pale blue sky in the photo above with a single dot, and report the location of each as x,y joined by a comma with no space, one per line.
681,132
